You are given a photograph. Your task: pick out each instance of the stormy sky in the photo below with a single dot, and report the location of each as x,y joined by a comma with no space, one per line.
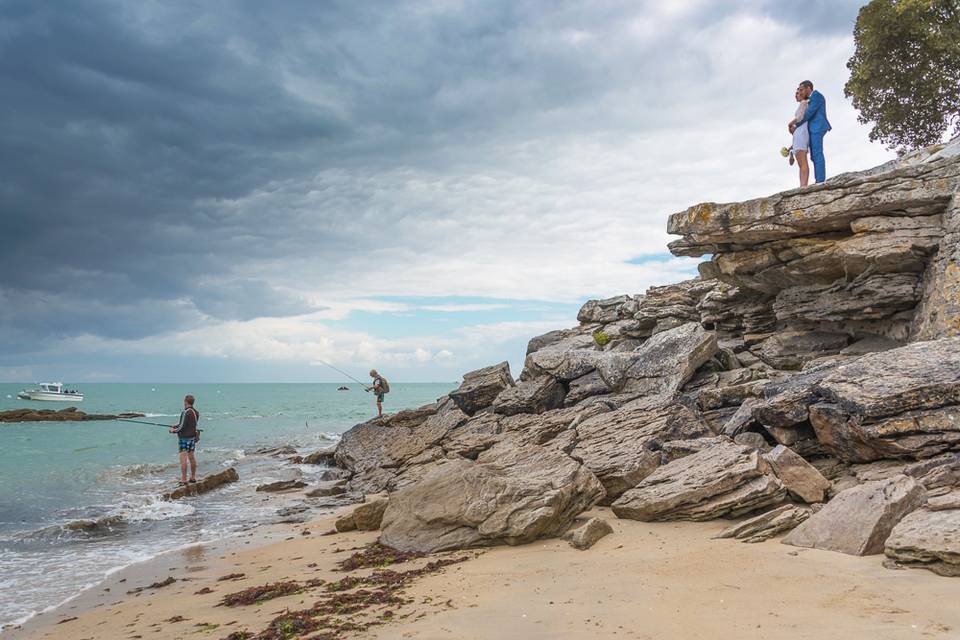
235,191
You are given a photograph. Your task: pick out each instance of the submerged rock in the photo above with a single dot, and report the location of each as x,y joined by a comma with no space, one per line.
70,414
204,485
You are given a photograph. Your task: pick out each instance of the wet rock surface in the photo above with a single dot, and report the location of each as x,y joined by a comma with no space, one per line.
204,485
70,414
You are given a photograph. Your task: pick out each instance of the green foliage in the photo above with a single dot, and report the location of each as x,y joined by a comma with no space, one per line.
601,338
905,71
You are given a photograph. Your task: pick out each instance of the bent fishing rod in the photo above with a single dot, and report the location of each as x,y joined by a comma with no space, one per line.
341,371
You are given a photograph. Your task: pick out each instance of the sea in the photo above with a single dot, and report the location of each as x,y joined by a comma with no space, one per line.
56,477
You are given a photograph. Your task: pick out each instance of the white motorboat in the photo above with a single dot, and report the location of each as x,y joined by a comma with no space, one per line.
51,392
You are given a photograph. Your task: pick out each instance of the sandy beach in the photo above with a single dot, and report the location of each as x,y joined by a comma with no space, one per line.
646,580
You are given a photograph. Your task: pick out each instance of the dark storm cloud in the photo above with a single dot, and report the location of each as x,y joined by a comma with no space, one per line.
129,130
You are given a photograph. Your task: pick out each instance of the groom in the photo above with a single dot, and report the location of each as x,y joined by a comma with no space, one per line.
818,125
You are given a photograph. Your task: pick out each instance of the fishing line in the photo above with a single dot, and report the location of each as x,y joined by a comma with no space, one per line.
364,384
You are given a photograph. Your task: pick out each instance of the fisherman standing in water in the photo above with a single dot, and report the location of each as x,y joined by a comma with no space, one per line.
380,387
188,435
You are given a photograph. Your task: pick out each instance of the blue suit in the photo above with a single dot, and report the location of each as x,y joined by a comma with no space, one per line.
816,118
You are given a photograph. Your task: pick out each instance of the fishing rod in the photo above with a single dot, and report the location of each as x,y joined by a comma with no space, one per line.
341,371
156,424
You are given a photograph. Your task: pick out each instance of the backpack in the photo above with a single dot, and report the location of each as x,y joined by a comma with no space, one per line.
384,385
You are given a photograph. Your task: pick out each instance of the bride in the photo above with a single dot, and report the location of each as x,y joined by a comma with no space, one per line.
801,141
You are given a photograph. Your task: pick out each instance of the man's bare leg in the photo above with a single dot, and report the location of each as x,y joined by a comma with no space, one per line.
379,409
193,466
183,467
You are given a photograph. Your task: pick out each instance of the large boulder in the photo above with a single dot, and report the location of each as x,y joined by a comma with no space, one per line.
510,495
721,481
858,521
481,387
927,539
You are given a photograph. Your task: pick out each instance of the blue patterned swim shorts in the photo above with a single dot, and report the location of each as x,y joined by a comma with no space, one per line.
188,444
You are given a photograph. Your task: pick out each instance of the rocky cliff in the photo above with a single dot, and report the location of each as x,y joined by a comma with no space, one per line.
809,378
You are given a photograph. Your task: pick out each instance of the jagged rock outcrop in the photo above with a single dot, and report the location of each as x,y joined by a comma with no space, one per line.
481,387
825,322
858,521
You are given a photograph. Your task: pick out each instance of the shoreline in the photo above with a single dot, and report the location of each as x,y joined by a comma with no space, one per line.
646,580
90,596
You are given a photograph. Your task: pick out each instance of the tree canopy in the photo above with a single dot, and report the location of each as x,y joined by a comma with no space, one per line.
905,71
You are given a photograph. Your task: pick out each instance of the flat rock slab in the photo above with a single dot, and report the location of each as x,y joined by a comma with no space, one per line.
324,489
723,480
588,534
858,521
204,485
928,539
766,525
281,485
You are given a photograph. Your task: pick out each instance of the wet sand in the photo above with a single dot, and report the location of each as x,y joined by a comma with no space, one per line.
646,580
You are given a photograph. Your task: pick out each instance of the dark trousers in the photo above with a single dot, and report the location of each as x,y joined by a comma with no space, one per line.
816,154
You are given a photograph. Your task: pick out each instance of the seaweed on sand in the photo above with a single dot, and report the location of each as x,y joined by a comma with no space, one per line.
376,555
341,609
261,593
156,585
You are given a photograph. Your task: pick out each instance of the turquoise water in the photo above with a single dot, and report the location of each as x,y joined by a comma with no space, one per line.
54,473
